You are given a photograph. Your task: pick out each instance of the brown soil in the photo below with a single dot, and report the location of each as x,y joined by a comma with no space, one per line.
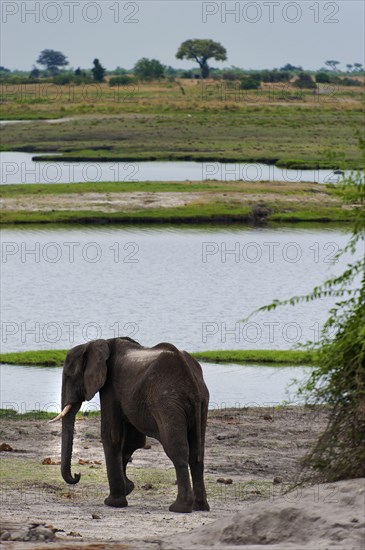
128,202
254,453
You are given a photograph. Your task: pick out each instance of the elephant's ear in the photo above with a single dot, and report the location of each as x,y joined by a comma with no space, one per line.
73,365
95,367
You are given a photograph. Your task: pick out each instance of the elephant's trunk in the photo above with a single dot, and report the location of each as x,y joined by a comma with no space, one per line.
68,426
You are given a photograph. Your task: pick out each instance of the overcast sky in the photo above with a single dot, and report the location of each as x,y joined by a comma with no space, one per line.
261,34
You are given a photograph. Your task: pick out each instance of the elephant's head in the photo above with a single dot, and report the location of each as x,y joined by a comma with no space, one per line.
84,373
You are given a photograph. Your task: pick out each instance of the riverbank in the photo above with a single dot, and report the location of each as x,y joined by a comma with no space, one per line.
249,203
33,490
253,457
189,120
55,358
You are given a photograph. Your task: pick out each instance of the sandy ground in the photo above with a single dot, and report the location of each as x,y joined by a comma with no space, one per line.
116,202
257,449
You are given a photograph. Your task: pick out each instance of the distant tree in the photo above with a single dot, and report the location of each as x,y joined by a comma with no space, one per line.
290,68
120,70
148,69
98,71
200,51
171,71
349,67
358,67
323,78
4,70
332,64
251,82
35,73
78,71
52,60
121,80
305,80
275,76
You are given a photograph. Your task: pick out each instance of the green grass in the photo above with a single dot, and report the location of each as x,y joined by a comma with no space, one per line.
279,357
190,214
213,186
214,212
288,135
214,202
290,357
46,358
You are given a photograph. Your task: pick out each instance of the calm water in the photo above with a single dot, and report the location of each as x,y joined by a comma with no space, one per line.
31,388
20,168
61,287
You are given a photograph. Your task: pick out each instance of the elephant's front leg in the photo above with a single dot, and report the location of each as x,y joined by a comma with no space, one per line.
112,436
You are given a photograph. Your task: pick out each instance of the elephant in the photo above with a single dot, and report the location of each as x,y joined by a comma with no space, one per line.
157,392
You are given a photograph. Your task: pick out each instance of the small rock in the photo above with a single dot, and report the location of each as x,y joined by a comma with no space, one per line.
83,461
220,480
354,520
95,516
19,535
5,535
42,533
73,534
267,417
5,447
277,479
147,486
221,437
228,481
97,461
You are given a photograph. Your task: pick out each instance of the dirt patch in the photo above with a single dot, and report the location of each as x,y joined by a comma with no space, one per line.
129,202
255,451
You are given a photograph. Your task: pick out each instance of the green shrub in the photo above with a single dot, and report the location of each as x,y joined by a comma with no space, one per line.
350,82
323,78
250,83
305,80
231,75
275,76
121,80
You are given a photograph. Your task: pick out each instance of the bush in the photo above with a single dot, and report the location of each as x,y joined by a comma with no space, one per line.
275,76
149,69
323,78
305,80
122,80
62,79
70,78
187,74
231,75
349,82
250,83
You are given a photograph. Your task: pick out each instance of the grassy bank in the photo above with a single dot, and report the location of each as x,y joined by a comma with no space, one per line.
283,188
252,203
50,358
156,121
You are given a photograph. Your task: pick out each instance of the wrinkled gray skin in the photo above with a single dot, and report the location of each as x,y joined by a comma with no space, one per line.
159,392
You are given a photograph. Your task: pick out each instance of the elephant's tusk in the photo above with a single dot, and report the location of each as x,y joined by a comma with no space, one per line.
61,415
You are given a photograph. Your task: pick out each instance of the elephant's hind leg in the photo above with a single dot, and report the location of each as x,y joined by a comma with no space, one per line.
133,440
196,463
177,449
